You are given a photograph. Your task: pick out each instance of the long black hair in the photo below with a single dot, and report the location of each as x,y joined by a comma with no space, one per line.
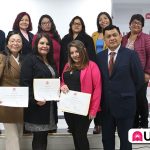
53,30
50,53
98,26
7,51
72,22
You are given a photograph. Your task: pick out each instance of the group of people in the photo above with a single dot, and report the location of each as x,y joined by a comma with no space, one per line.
115,70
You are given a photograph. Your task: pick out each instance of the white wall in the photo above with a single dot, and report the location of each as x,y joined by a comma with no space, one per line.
122,13
62,11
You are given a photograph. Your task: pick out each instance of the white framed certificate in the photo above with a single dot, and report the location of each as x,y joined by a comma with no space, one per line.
75,102
46,89
14,96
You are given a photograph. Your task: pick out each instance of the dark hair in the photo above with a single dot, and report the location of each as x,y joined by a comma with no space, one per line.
82,52
7,51
98,26
111,27
72,21
50,53
138,17
53,27
18,19
10,33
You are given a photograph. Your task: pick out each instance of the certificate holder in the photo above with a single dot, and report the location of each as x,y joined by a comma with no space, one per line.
46,89
75,102
14,96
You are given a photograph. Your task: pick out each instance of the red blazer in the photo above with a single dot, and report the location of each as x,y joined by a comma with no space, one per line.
142,47
90,80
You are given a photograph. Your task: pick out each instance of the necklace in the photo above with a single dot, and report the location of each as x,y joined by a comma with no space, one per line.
71,72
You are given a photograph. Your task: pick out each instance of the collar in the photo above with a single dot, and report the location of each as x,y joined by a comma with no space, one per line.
128,35
116,50
16,58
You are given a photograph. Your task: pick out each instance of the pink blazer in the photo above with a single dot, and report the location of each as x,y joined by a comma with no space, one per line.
90,80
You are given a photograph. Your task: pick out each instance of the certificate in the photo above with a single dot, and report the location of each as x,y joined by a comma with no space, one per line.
75,102
46,89
14,96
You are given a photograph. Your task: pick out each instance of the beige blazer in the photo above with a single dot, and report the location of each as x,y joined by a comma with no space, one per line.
10,77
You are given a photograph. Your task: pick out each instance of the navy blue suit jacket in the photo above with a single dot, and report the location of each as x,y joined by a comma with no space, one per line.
119,90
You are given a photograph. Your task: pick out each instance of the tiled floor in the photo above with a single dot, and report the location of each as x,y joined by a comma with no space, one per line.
63,141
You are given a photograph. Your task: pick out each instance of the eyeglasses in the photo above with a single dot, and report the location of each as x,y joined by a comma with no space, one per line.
76,24
15,41
46,23
136,23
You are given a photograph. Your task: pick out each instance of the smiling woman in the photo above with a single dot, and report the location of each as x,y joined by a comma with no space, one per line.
23,25
47,25
140,42
41,115
78,70
43,48
76,32
74,53
9,76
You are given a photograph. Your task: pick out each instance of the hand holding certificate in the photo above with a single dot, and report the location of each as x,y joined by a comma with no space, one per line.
46,89
14,96
75,102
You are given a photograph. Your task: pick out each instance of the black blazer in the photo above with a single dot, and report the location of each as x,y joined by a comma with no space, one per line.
27,45
119,90
34,67
83,37
2,40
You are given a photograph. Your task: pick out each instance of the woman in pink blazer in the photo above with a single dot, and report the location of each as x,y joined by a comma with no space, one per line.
81,75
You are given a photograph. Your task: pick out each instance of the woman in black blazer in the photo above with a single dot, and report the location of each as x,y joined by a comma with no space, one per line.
23,25
76,32
40,116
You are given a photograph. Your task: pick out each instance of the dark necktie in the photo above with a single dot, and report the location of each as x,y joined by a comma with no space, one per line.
111,62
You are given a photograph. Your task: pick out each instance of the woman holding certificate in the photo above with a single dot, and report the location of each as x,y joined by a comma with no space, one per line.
41,115
9,77
81,75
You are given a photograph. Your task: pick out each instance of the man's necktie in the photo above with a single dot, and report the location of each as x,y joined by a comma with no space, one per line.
111,62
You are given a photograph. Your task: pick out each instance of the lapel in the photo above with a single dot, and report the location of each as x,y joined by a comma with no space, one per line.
14,64
105,61
83,73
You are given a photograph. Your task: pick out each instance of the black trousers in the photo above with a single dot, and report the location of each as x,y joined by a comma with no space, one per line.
39,141
141,118
109,125
79,126
98,119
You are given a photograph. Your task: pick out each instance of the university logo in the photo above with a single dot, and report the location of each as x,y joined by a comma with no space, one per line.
139,135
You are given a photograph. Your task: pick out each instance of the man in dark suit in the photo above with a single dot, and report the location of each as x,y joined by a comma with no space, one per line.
122,76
